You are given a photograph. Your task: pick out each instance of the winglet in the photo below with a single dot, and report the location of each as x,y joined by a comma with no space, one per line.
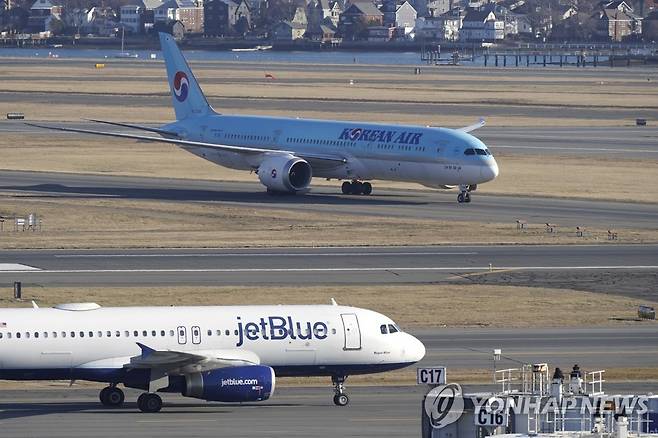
333,302
473,127
146,351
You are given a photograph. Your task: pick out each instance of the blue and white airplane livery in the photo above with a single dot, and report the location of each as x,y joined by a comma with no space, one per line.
287,153
226,354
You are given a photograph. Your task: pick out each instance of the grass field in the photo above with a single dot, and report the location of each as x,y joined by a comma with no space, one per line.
123,223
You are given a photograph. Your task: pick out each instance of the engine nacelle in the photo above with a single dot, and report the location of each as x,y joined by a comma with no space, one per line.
285,173
233,384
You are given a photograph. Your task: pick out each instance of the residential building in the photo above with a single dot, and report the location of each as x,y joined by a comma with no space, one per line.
186,11
442,28
405,16
42,15
288,31
481,26
616,21
357,18
226,17
132,18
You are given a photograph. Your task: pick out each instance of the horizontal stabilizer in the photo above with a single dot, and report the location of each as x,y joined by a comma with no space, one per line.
473,127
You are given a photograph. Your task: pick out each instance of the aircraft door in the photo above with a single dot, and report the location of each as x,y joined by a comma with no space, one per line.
352,331
182,335
196,335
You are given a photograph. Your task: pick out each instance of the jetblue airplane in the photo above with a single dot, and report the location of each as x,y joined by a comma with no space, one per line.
225,354
287,153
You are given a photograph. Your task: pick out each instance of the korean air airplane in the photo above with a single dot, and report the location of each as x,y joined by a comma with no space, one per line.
225,354
287,153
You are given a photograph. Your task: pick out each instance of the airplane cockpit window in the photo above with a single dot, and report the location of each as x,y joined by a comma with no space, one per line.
0,335
392,328
383,329
469,151
481,152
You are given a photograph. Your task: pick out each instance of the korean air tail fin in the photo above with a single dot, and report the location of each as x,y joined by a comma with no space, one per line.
186,94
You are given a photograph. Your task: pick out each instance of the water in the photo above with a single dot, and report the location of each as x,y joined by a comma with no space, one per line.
300,57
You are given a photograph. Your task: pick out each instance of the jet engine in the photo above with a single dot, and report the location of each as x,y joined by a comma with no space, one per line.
285,173
233,384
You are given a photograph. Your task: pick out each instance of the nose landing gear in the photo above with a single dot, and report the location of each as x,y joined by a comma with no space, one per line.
340,398
356,188
465,193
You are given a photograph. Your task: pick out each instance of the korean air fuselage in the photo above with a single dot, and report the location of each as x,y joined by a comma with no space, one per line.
430,156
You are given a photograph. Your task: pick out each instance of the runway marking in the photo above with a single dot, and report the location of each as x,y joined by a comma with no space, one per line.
177,421
273,254
16,267
364,269
563,148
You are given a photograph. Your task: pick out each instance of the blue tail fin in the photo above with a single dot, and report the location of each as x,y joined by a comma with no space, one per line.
186,94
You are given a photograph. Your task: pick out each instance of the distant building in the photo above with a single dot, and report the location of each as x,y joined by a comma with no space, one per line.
650,27
335,11
132,18
185,11
225,17
379,33
405,16
442,28
616,21
481,26
95,21
357,18
324,32
42,15
288,31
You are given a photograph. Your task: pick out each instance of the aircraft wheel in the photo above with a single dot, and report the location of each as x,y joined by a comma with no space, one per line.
367,188
341,399
467,198
357,187
346,188
112,396
149,402
461,198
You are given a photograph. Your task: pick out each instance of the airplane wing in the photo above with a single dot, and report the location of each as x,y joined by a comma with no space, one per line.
164,132
473,127
334,159
180,362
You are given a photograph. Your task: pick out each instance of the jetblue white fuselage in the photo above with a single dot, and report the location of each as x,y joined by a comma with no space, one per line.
227,353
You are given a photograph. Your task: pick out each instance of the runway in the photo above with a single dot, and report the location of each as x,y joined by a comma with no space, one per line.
374,411
621,142
428,204
349,265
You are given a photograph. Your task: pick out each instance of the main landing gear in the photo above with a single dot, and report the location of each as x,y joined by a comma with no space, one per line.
149,402
340,398
465,193
111,396
356,188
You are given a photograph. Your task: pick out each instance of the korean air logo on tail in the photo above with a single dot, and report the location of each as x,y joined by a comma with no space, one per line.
181,86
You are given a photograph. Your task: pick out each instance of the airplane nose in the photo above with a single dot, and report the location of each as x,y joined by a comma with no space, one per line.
489,170
414,349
